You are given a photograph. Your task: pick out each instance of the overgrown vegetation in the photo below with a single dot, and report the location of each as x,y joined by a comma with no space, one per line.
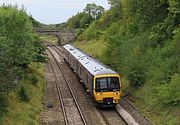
25,108
82,20
19,47
49,38
35,23
142,40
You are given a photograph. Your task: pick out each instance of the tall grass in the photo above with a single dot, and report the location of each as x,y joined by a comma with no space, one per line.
28,112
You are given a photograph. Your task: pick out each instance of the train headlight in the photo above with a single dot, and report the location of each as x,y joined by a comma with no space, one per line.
116,93
98,93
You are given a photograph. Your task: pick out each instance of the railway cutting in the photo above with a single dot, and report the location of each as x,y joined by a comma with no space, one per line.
70,103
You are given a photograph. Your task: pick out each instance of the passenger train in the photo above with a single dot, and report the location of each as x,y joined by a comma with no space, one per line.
102,82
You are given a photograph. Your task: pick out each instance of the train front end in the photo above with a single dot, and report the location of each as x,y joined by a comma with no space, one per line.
107,89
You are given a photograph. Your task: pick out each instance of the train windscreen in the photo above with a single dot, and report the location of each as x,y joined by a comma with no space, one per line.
107,84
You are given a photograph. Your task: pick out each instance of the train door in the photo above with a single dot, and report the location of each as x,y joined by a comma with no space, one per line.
80,72
87,81
73,63
70,61
77,66
67,57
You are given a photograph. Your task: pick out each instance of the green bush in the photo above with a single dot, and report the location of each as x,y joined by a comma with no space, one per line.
136,69
91,32
23,94
169,94
34,80
79,31
136,76
3,104
162,31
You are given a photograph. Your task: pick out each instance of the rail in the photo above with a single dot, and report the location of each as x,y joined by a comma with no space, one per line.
75,100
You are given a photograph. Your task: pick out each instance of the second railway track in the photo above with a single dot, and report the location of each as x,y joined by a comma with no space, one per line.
71,110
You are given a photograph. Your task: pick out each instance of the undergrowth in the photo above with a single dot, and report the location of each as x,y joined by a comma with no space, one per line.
25,104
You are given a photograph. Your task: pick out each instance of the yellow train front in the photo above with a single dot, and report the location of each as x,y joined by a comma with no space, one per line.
102,82
107,89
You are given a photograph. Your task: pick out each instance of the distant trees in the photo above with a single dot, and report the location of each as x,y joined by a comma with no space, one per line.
19,46
80,20
35,23
116,9
94,11
83,19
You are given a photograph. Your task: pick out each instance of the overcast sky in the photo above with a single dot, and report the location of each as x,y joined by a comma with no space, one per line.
54,11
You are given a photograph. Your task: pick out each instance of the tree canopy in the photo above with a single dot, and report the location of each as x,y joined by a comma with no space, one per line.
19,46
83,19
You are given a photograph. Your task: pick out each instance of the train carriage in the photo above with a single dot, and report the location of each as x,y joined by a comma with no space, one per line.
102,82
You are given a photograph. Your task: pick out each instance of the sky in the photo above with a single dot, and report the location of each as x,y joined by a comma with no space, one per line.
54,11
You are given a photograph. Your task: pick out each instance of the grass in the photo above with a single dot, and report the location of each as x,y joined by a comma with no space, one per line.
151,107
95,48
26,113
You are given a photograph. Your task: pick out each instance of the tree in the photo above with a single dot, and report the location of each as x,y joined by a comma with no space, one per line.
19,46
116,9
74,21
174,8
85,21
94,11
35,23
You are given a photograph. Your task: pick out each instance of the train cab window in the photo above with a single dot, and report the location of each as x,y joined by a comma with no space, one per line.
107,84
101,83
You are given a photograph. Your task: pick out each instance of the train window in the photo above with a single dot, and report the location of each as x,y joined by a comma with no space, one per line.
101,83
107,84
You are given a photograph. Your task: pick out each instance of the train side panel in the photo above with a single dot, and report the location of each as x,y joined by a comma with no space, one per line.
85,77
66,55
75,64
82,73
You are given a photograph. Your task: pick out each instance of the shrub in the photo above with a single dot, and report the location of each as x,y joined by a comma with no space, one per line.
34,80
136,76
162,31
169,94
3,104
23,94
79,31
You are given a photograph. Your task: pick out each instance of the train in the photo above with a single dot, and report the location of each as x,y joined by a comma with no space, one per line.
103,84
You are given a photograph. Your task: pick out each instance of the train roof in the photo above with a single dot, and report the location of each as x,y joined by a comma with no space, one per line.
92,65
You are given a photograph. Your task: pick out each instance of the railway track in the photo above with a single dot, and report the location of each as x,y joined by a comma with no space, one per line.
71,110
53,114
109,117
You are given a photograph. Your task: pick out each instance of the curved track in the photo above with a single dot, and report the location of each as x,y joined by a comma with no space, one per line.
71,110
